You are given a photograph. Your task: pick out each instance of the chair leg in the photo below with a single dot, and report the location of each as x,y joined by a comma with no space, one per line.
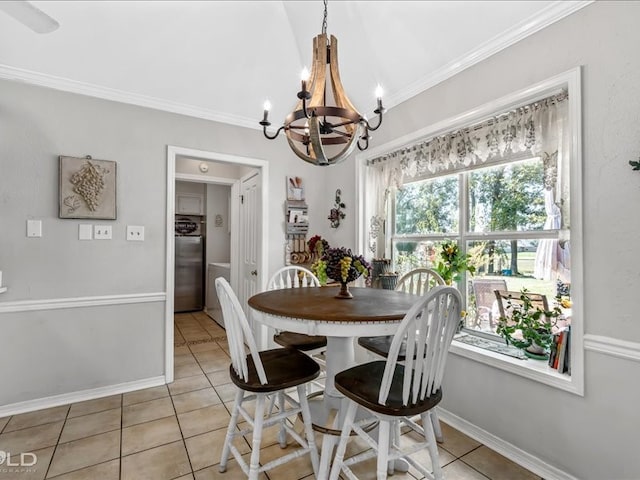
344,438
258,419
384,432
433,448
435,421
395,440
230,431
311,439
282,435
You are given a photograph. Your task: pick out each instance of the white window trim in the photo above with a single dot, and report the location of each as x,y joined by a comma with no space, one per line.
534,370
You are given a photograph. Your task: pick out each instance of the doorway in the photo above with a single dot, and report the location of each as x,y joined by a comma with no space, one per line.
174,154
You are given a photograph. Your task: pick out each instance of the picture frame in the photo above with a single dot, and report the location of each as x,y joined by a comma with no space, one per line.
87,188
295,188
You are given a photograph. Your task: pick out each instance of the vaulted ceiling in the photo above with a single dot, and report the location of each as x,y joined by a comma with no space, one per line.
221,59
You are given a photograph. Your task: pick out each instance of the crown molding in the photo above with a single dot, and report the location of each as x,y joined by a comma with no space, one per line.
546,17
553,13
73,86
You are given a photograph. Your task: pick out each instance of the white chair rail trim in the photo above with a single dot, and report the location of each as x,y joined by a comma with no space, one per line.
613,346
80,302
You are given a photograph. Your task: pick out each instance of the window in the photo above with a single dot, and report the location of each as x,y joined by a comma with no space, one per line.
506,187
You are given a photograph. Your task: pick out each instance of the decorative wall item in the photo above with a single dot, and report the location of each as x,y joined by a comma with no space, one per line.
218,220
87,188
295,189
336,213
635,165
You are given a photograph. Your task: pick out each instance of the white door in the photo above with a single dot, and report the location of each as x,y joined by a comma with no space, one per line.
250,238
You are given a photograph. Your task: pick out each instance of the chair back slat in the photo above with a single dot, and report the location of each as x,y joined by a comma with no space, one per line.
292,277
419,281
427,331
238,332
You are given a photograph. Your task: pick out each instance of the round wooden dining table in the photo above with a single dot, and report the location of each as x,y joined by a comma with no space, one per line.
316,311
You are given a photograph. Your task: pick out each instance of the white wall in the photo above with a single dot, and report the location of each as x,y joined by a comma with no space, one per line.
218,238
595,436
111,329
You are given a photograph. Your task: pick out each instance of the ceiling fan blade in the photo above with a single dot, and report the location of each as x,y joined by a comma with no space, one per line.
30,16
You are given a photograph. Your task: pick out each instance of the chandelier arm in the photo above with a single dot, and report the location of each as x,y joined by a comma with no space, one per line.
366,144
264,130
368,126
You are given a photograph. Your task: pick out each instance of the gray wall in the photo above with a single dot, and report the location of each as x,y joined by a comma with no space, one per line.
595,436
68,350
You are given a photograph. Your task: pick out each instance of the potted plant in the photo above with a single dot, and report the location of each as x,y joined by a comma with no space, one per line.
527,326
451,263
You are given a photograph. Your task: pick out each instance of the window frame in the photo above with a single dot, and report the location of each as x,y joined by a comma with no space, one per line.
536,371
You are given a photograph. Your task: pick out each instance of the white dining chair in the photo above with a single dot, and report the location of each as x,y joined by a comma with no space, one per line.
257,376
392,393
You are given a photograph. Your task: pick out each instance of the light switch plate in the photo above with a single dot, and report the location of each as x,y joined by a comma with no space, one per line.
34,228
85,231
135,233
102,232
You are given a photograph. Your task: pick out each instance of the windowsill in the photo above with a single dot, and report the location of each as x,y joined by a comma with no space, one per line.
536,370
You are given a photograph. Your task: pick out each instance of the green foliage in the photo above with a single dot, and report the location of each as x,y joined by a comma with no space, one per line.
534,323
452,264
428,207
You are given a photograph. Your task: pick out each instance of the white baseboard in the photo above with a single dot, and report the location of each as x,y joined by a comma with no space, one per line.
79,396
513,453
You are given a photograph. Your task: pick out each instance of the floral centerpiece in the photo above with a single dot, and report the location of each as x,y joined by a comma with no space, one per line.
341,265
451,263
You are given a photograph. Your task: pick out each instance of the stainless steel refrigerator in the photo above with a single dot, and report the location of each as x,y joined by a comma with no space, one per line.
189,274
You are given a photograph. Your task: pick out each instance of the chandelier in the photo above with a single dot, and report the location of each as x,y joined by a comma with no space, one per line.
324,127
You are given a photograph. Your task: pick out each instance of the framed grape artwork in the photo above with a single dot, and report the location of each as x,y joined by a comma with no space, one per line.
87,188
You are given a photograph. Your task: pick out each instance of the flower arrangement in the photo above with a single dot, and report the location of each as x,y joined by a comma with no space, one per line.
452,264
341,265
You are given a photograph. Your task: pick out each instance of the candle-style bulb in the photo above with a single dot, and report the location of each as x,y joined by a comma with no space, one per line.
304,75
267,105
265,117
379,92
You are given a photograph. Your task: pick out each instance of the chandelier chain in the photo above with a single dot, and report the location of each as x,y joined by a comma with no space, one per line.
324,20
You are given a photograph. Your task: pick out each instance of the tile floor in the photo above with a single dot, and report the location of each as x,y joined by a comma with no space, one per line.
176,431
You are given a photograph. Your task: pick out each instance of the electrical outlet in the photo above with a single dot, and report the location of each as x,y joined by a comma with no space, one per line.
135,233
34,228
102,232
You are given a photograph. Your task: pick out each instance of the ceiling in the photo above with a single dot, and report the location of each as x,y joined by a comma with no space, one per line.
220,60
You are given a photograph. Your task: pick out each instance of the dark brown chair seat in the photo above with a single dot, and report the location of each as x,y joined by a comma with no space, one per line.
380,346
285,368
300,341
362,385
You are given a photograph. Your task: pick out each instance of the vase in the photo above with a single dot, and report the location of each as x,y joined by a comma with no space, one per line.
536,352
344,291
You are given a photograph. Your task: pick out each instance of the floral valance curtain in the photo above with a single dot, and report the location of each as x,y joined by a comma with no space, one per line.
531,130
526,130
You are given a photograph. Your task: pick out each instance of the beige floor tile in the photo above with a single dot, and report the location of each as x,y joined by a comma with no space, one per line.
205,450
32,438
147,411
189,384
188,476
211,354
189,370
181,350
94,406
149,435
227,392
204,420
32,419
233,471
186,402
185,359
204,346
145,395
456,442
216,364
103,471
85,453
92,424
459,470
3,422
495,466
161,463
34,472
219,378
